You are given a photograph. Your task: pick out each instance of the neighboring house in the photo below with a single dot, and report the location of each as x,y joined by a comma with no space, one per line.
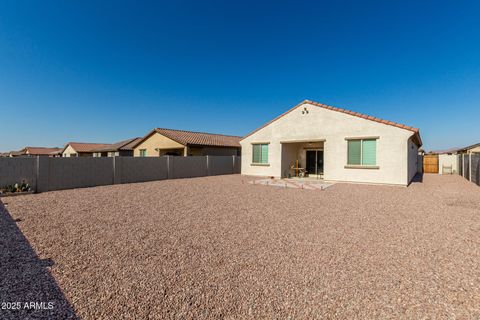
447,160
333,144
161,142
119,149
475,148
81,149
56,154
13,154
34,152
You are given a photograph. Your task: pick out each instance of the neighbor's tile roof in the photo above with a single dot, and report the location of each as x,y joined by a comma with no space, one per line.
124,145
470,147
17,153
200,138
131,144
352,113
195,138
444,151
41,150
86,147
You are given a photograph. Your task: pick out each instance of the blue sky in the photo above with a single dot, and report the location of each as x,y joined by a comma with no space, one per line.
103,71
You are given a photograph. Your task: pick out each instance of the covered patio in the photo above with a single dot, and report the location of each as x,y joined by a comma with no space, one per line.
302,158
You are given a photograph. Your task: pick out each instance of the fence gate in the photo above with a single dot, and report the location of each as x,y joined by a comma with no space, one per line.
430,163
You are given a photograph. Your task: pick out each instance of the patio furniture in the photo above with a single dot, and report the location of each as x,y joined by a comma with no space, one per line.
298,171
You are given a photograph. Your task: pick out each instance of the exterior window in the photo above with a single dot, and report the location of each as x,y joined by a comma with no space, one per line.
260,153
362,152
143,152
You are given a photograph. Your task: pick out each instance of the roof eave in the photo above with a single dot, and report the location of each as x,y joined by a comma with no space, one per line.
348,112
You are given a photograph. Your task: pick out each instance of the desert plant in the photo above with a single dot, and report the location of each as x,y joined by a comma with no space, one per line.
17,187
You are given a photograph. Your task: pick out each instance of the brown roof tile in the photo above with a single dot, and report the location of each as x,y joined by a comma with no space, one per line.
41,150
86,146
125,145
200,138
193,138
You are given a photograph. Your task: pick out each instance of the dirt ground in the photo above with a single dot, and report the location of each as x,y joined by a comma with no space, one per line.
219,247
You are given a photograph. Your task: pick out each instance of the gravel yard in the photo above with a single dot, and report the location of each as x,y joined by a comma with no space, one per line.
219,247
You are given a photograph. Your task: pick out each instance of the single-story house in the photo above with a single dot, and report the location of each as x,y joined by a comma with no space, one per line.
34,152
119,149
161,142
334,144
475,148
13,154
82,149
447,160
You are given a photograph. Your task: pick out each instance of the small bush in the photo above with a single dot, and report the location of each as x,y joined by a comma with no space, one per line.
17,187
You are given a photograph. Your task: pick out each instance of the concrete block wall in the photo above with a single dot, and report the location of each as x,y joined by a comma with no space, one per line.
220,165
46,174
70,173
140,169
15,170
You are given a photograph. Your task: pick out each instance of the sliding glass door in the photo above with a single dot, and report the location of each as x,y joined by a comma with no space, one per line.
314,162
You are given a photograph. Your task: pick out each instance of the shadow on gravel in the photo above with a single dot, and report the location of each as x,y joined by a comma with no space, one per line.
417,179
27,289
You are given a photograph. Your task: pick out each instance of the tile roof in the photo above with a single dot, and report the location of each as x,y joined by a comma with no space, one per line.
450,150
86,146
352,113
40,150
470,147
200,138
193,138
131,144
124,145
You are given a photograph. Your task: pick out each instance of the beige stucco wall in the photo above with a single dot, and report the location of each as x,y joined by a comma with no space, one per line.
68,151
447,160
156,141
474,150
332,127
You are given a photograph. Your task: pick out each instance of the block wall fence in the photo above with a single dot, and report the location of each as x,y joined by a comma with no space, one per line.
47,174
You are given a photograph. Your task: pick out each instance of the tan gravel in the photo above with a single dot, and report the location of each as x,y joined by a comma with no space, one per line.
218,247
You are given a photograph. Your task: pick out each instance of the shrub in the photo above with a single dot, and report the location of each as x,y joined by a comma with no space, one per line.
22,187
